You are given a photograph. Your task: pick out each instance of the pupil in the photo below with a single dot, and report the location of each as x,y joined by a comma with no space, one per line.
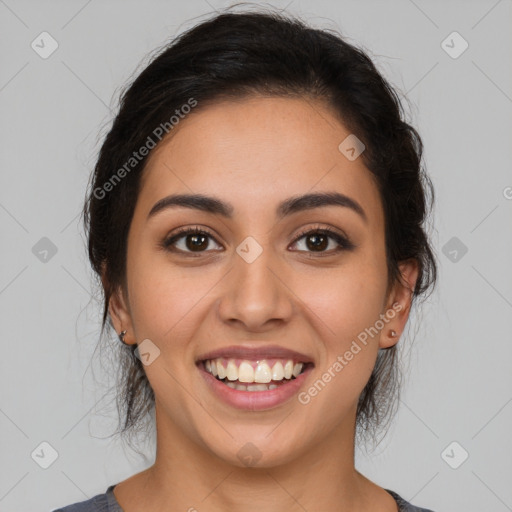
194,243
317,244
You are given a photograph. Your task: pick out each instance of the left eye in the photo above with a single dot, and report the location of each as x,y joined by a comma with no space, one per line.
318,239
197,240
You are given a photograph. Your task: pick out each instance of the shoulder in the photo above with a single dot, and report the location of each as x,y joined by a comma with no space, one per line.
405,506
104,502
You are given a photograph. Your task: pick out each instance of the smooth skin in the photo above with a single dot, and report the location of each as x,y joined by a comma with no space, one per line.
254,153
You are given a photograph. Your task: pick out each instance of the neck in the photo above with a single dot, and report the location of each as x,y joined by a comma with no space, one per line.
188,476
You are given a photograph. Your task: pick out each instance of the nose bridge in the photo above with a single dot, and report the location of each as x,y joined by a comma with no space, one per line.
255,281
253,268
256,293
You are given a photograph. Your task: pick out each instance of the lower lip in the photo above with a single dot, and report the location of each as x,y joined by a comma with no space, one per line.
254,400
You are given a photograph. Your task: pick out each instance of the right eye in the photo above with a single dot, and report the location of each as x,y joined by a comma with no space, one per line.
195,240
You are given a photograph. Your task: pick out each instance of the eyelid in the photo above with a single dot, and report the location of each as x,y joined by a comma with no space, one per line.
330,230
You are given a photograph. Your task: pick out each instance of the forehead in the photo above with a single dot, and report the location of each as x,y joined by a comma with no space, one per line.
255,152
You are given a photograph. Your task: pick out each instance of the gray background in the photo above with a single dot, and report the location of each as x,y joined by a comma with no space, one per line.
54,113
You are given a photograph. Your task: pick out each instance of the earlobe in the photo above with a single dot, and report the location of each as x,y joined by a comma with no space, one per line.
121,319
399,304
389,340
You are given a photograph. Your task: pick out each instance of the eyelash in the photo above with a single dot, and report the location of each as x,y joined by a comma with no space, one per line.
344,244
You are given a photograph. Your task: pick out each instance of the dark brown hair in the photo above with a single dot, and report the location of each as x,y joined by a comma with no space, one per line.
233,55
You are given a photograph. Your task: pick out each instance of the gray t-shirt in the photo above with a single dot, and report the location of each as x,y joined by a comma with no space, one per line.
107,502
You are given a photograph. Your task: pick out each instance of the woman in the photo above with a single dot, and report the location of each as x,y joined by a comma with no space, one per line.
256,217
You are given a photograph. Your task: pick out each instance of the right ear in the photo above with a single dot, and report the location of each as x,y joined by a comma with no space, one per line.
119,311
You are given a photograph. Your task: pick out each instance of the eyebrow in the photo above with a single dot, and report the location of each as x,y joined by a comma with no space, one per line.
288,207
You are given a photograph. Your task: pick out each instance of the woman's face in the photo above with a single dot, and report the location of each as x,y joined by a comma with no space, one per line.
254,280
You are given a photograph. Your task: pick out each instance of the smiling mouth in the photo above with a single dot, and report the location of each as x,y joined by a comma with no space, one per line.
261,375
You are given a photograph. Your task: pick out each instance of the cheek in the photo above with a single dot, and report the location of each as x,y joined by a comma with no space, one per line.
347,317
354,299
158,297
349,345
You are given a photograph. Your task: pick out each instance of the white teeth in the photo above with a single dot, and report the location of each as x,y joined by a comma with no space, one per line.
278,371
288,370
221,371
245,373
262,373
251,387
257,387
232,370
297,369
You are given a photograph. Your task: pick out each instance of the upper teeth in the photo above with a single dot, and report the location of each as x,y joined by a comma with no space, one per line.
246,373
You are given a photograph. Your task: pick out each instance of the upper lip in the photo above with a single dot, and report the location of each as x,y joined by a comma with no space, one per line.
255,352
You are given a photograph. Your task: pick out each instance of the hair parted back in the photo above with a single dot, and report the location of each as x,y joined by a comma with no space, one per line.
234,55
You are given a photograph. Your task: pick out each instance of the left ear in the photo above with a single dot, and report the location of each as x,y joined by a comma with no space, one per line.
399,301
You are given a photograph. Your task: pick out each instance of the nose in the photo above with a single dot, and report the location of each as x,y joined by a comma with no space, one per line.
254,295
